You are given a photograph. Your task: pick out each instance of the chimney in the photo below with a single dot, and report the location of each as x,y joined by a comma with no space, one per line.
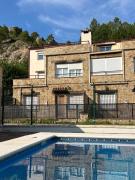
86,37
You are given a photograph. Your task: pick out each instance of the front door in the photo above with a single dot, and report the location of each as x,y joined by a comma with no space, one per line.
61,101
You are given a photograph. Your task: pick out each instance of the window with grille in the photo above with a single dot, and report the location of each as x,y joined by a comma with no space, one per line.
69,70
107,101
27,101
76,100
105,48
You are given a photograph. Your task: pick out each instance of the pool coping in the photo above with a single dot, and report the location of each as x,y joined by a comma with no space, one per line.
13,146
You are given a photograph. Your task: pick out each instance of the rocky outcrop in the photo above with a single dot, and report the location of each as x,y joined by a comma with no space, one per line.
14,51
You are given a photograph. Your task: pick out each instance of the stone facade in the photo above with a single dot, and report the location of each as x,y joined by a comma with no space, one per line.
123,84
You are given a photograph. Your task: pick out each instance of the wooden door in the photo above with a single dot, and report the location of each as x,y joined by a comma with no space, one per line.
61,101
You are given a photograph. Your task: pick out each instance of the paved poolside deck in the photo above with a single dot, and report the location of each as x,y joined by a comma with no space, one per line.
15,145
4,136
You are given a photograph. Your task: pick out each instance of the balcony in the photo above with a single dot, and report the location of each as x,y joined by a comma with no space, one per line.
27,82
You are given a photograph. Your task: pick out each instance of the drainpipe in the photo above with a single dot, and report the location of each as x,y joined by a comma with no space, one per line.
89,69
31,104
123,61
45,70
94,104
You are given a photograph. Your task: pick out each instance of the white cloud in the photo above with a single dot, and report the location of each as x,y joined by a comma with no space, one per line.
65,22
120,6
79,12
74,4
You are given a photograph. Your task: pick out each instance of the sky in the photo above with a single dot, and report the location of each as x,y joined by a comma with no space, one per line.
62,18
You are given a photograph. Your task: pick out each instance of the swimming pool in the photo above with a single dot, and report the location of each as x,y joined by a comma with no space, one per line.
72,159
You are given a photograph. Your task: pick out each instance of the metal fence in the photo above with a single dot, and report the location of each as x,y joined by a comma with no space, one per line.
114,111
41,114
44,114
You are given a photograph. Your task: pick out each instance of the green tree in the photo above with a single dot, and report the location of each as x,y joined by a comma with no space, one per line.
15,32
112,31
4,33
13,70
24,36
34,35
51,40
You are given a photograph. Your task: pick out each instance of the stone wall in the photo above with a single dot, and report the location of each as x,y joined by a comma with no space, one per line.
122,84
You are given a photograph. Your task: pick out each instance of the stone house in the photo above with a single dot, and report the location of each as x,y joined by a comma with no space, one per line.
79,74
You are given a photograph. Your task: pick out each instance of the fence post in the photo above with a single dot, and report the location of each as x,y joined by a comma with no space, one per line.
2,119
132,111
117,109
94,104
67,111
31,109
77,113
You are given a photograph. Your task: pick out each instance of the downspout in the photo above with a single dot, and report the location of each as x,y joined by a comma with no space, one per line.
94,88
45,64
123,60
89,74
94,104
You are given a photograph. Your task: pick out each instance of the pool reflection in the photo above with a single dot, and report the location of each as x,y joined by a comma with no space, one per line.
76,161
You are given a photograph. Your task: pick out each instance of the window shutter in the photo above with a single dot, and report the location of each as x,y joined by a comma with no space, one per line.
75,66
97,66
114,65
61,66
106,65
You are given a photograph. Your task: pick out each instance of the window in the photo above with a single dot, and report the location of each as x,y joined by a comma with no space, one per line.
69,70
40,56
62,173
106,66
75,72
77,171
66,173
76,100
40,74
62,72
105,48
27,101
107,101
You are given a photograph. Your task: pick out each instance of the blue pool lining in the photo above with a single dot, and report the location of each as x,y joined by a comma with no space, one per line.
28,151
32,149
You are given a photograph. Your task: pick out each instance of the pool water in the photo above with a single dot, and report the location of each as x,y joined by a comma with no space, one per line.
60,160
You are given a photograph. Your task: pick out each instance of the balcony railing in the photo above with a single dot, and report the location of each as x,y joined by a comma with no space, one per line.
69,75
31,77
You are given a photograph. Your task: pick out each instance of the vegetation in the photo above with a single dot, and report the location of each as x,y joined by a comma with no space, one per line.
16,33
112,30
11,41
13,70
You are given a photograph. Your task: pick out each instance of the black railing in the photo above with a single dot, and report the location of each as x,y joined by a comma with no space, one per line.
37,76
42,114
76,74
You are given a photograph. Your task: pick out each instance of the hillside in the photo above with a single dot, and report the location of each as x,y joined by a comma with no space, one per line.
14,43
14,51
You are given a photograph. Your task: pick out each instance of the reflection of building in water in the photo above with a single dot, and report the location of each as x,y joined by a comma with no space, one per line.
113,163
61,162
81,162
71,162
